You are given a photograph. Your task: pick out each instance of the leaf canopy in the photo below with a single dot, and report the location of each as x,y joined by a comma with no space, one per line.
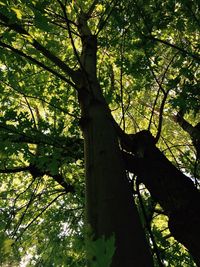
148,68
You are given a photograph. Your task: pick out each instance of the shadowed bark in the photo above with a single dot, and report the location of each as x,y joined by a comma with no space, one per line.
174,191
110,208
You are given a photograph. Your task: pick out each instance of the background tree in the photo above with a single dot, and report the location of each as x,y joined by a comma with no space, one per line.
122,78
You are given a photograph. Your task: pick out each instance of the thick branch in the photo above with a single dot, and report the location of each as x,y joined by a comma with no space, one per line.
12,134
15,170
70,150
172,189
36,172
89,47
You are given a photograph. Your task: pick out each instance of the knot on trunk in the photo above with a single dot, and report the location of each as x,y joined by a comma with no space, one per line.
139,143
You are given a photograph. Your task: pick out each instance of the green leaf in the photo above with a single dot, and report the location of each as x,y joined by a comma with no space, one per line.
17,12
42,22
102,250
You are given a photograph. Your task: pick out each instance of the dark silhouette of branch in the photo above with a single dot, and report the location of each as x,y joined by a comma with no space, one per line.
160,88
19,29
40,99
183,51
161,117
15,170
170,151
174,191
13,209
148,226
36,172
122,45
39,214
35,61
63,7
61,181
102,22
12,134
26,208
193,131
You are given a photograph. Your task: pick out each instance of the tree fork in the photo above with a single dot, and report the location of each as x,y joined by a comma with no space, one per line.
110,209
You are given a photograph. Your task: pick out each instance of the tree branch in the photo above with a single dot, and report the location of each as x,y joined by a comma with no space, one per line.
174,191
193,131
69,31
161,116
19,29
183,51
39,214
35,61
15,170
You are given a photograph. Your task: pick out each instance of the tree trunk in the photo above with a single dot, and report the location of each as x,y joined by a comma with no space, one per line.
110,205
174,191
110,208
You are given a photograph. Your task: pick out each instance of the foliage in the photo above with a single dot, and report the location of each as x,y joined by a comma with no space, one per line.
148,57
100,251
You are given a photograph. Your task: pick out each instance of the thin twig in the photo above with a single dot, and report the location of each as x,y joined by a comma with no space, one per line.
35,61
161,116
183,51
43,210
156,250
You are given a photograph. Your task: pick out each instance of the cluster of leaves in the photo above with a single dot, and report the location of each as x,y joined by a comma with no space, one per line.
146,50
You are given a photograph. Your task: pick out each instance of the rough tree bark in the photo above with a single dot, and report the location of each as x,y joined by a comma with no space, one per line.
110,206
109,202
174,191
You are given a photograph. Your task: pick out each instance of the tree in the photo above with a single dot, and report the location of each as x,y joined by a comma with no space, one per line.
122,78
